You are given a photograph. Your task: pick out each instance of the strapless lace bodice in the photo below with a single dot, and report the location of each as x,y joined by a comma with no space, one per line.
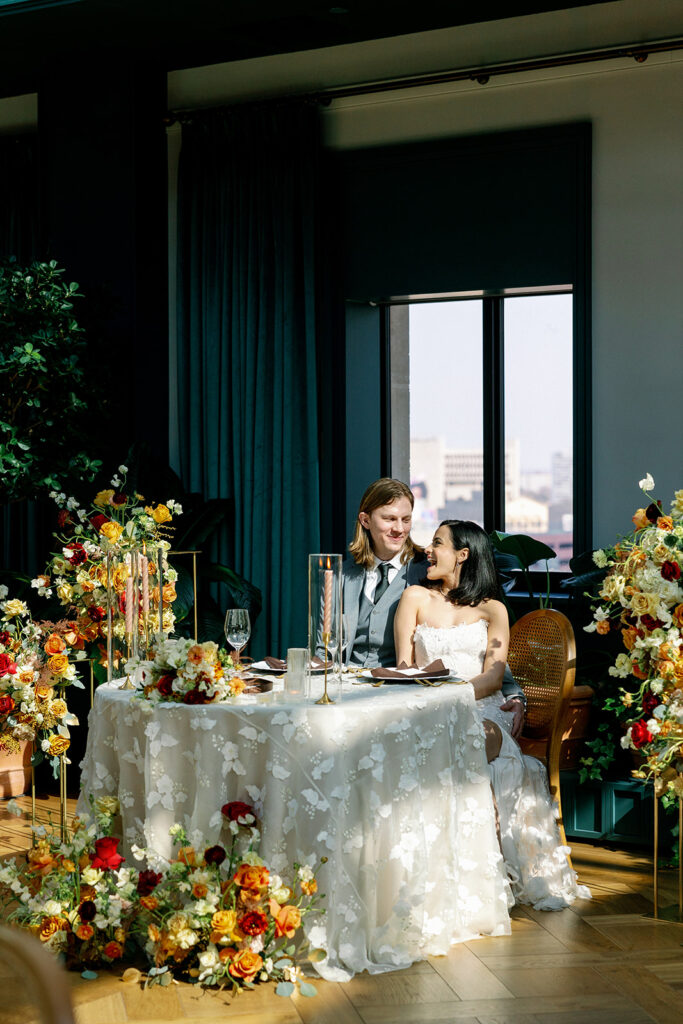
462,648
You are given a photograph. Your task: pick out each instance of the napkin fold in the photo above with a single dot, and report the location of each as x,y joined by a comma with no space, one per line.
435,670
280,665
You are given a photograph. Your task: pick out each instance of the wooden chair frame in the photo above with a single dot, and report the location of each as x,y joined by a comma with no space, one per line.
547,699
43,976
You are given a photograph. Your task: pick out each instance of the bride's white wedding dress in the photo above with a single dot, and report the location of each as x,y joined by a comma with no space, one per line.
537,864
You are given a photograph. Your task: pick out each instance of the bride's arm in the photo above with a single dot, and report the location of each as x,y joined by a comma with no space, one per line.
405,622
496,651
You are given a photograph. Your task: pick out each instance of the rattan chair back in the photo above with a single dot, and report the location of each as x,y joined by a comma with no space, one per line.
542,657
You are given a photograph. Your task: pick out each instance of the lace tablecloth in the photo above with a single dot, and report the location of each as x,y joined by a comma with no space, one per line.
390,784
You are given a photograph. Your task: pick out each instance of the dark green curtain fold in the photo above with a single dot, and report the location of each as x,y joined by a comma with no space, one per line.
247,394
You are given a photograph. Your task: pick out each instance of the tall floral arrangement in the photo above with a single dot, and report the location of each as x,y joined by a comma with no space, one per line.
36,669
117,523
641,597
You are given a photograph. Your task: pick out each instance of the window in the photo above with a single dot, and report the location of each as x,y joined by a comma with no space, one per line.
486,428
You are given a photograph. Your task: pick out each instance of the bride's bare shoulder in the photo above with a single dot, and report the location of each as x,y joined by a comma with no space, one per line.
415,594
492,609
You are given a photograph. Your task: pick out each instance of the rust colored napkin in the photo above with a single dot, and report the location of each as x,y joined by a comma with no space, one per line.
279,665
435,670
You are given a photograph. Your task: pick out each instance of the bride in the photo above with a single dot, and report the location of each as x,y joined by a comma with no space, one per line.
455,615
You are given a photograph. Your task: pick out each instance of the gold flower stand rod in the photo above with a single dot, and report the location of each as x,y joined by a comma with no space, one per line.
194,584
673,914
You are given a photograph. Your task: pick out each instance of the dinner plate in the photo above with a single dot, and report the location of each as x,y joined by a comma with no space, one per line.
366,674
263,666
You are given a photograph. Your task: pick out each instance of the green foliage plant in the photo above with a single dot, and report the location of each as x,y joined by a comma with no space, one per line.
44,384
523,551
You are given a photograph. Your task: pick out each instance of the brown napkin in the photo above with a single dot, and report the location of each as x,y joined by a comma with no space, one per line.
256,684
435,670
279,665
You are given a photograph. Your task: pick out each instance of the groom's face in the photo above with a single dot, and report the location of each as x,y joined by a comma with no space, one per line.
389,527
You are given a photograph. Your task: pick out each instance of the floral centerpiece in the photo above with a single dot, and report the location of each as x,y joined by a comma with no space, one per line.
214,915
117,523
36,668
641,597
186,672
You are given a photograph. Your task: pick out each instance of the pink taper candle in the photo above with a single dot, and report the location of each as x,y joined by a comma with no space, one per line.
145,584
129,596
327,606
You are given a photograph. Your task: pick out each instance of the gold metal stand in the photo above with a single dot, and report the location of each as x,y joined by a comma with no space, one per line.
33,799
194,583
62,798
92,684
325,699
672,914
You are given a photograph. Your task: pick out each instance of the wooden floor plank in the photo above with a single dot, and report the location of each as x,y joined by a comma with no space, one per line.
331,1005
574,981
469,978
572,931
654,996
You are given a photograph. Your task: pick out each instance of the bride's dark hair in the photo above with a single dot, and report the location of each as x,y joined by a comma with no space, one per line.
478,576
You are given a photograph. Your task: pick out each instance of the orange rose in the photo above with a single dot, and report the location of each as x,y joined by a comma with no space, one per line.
54,644
640,520
85,932
43,691
677,614
310,887
224,921
72,637
665,523
48,926
149,902
602,627
246,965
113,950
87,586
629,636
195,654
199,890
250,876
287,921
41,861
169,594
58,664
58,745
638,671
186,855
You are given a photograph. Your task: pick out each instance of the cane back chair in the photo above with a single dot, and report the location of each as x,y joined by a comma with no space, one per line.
542,657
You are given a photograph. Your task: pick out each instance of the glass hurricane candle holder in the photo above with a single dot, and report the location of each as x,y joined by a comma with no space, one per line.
325,624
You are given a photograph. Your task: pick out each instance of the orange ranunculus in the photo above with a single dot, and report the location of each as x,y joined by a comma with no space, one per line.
58,664
44,691
160,514
640,520
603,627
111,530
40,860
48,926
637,671
665,523
666,669
87,586
149,902
224,921
629,636
252,876
287,921
226,953
195,654
113,950
186,855
310,887
58,745
54,644
85,932
199,890
246,965
238,685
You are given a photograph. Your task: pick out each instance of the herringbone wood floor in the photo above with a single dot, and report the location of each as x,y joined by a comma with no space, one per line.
601,962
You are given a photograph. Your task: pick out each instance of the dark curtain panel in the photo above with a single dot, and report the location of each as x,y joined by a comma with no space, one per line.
20,524
247,394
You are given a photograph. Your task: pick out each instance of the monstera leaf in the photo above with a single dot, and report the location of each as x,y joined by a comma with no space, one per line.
526,551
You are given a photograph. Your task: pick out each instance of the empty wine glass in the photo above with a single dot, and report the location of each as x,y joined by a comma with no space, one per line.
333,645
237,629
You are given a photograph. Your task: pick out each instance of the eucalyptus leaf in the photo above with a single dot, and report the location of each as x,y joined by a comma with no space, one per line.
284,988
308,990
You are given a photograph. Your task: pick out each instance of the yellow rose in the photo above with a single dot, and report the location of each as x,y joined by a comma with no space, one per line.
43,691
58,664
160,514
14,607
58,708
644,604
677,503
119,577
103,498
224,921
64,592
111,531
58,746
48,926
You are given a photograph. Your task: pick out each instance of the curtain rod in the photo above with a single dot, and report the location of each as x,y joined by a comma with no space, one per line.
639,52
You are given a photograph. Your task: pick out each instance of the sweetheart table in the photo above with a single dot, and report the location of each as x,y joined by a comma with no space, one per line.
390,784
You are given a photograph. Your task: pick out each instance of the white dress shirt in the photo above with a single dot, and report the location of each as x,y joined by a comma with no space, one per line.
372,576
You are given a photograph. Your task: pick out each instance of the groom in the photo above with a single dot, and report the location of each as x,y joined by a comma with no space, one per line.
386,561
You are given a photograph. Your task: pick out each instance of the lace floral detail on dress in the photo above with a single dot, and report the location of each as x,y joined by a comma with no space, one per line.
462,648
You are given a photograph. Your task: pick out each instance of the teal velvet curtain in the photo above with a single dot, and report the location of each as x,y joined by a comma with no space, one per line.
247,392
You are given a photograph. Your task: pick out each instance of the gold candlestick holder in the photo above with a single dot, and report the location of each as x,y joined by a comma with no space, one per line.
325,699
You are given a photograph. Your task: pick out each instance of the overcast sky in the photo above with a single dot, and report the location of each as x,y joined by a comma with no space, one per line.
446,374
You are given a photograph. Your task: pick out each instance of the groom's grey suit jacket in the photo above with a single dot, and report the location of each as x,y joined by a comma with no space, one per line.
381,628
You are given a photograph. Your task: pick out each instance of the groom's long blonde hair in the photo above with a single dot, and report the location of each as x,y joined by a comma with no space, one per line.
381,492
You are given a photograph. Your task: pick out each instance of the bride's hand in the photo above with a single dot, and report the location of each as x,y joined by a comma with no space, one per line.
515,705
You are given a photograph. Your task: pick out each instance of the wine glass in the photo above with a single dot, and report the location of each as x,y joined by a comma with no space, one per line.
237,629
333,645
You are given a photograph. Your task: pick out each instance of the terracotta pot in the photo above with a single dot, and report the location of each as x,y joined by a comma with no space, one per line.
15,771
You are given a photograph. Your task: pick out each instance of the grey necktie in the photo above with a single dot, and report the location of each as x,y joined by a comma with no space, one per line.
383,582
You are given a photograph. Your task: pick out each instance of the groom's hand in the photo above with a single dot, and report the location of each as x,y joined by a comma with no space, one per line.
517,705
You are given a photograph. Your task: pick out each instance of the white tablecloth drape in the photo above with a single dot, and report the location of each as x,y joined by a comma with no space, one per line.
390,784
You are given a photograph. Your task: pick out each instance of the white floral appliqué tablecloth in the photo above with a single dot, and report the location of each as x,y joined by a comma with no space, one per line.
390,784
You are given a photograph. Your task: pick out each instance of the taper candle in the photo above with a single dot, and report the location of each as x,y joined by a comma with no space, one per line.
144,570
327,601
129,595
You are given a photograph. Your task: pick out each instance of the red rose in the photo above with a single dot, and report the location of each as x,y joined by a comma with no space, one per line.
98,520
671,571
106,855
119,500
7,666
78,555
640,734
253,923
650,702
4,637
96,612
650,623
236,809
87,911
165,685
194,697
147,882
215,855
6,705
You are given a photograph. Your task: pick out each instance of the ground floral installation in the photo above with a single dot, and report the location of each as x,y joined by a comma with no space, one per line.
642,598
117,522
36,669
186,672
214,915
